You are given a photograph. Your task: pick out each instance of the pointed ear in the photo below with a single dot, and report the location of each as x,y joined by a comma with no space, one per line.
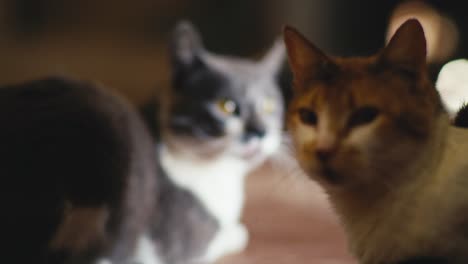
186,44
274,59
407,48
307,61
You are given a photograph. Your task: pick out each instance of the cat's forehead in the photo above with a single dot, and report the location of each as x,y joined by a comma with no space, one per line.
237,68
244,78
357,82
355,67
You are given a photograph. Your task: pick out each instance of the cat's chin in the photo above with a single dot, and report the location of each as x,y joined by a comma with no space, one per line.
326,176
331,176
250,151
252,154
256,160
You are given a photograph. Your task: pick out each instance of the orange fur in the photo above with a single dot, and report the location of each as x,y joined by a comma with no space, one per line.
386,172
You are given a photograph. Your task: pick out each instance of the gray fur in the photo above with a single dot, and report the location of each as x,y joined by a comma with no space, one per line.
193,130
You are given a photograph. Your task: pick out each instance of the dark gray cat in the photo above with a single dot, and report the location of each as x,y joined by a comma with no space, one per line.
78,174
222,118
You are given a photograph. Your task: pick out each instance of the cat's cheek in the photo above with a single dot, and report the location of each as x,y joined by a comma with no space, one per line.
364,138
360,135
271,143
350,164
307,161
303,140
304,135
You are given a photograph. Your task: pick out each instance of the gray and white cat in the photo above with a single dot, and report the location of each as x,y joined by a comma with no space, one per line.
222,118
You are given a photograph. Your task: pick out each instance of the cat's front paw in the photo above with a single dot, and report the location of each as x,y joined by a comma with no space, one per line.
229,240
238,238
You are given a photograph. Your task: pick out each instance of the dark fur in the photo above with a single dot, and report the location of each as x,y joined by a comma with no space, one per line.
195,90
150,113
461,119
425,260
65,143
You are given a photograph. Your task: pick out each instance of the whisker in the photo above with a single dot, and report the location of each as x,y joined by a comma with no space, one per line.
284,167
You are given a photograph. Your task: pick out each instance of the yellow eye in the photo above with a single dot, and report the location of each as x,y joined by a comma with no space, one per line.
227,106
268,106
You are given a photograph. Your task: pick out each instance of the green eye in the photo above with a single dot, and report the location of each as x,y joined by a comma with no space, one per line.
268,106
227,106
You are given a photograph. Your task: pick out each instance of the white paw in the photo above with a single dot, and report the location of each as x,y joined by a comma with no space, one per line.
145,252
238,238
229,240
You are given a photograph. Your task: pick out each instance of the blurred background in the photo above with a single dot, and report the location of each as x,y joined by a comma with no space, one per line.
123,45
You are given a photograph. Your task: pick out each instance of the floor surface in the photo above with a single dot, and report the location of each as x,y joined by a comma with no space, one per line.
290,221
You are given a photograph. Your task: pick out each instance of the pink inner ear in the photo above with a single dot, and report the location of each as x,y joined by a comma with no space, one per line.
407,47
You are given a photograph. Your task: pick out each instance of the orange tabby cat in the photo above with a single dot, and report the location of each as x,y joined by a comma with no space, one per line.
373,132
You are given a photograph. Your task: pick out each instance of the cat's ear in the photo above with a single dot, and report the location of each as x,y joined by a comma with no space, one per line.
307,61
275,58
407,48
186,44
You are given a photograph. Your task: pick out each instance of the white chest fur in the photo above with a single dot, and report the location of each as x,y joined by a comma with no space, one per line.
219,184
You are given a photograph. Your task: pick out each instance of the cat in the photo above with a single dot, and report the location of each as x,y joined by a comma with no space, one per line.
373,132
222,117
79,177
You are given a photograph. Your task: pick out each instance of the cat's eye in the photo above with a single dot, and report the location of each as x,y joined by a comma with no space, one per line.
308,117
268,106
363,115
227,106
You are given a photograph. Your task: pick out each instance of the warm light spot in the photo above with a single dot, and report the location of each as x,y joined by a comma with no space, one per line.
452,84
441,32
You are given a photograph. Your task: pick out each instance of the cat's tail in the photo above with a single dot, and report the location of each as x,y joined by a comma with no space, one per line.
461,118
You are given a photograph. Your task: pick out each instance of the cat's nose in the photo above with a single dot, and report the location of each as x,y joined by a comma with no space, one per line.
253,131
324,154
325,146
